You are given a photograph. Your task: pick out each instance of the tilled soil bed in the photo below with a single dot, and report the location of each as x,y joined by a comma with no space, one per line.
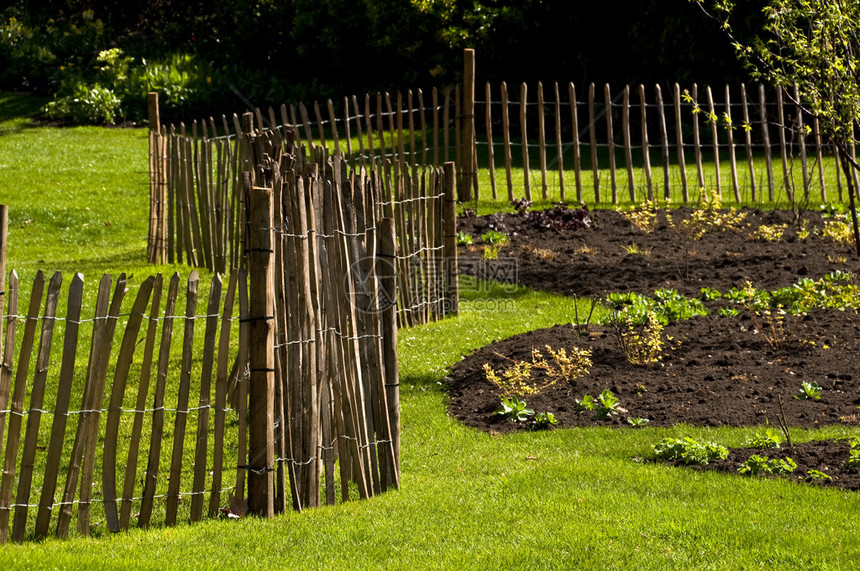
716,370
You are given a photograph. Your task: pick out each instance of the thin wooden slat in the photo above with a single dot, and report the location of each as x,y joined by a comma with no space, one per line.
679,140
380,126
202,444
787,183
242,385
488,121
765,134
610,139
558,144
8,362
401,143
816,127
221,396
801,133
731,144
37,399
306,123
748,142
574,112
111,435
646,151
75,461
16,405
140,404
348,132
697,142
320,124
61,408
592,140
157,430
422,116
664,142
715,138
506,133
542,139
527,184
181,419
411,126
446,118
368,118
101,363
359,133
628,146
4,239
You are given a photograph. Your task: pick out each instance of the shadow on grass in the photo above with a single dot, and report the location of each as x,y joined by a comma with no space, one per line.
17,111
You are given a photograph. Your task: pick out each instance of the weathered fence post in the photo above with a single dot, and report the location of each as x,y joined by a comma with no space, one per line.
388,284
4,236
452,292
261,459
157,196
467,139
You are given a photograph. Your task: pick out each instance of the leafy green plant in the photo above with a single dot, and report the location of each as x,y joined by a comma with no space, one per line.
514,409
818,475
544,420
464,239
587,402
727,312
809,390
608,404
686,450
853,461
637,422
709,294
492,238
757,465
767,439
94,105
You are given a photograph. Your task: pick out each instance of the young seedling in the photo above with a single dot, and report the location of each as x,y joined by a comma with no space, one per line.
812,475
514,410
585,403
544,420
853,462
768,439
609,404
809,390
637,422
464,239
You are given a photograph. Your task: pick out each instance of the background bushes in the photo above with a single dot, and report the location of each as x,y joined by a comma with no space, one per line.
215,56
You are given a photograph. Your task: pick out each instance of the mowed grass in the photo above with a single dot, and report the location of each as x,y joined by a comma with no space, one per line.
577,498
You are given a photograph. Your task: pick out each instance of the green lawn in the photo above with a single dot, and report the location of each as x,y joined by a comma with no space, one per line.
576,498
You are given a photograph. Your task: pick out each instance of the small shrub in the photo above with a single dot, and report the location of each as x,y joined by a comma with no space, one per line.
767,439
516,379
85,106
765,233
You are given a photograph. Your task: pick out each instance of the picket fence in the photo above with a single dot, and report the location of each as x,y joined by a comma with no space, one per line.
292,381
663,142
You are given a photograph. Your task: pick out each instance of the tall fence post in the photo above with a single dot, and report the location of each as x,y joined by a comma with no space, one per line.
467,123
449,216
388,306
261,458
157,198
4,236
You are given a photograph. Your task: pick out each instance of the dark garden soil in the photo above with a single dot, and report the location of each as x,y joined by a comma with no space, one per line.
717,370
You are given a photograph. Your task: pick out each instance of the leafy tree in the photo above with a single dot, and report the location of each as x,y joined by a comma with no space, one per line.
808,49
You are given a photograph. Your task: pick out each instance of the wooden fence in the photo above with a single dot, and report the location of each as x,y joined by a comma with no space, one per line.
197,211
594,144
292,380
